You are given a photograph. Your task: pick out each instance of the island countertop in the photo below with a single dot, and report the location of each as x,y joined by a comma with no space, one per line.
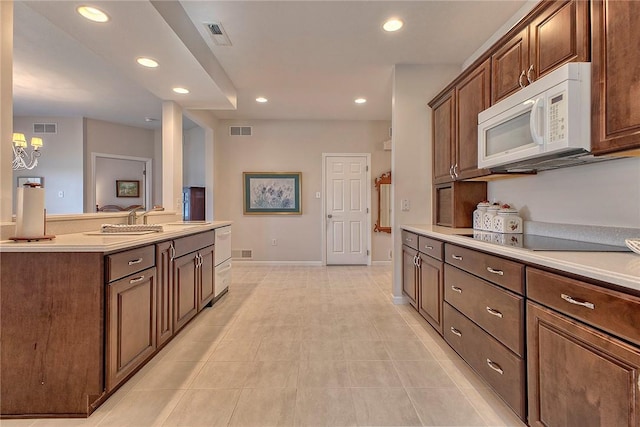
108,242
622,269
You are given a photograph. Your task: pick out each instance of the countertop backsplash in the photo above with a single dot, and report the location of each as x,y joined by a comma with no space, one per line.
586,233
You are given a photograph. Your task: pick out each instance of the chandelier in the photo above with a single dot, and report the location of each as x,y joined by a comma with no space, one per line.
22,159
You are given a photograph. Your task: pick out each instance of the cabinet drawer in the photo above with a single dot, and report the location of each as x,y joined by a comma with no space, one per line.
497,311
495,269
499,367
223,277
128,262
223,244
188,244
612,311
410,239
431,247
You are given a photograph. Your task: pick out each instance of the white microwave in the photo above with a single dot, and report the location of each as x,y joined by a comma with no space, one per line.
549,118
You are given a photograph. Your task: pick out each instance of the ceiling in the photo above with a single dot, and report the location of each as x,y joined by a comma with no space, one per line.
311,59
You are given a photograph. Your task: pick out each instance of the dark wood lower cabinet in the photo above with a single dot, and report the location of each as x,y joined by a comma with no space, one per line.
409,275
579,376
206,277
131,324
164,294
430,295
185,290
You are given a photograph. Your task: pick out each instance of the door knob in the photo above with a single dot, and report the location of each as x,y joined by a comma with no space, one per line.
329,216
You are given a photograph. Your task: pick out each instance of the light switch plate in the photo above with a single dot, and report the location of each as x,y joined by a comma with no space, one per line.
317,194
406,205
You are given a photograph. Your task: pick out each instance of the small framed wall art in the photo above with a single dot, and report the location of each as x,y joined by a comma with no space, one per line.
126,188
272,193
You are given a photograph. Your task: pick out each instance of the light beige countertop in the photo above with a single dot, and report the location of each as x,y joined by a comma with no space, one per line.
108,242
618,268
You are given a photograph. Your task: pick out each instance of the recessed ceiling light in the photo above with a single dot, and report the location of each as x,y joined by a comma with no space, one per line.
261,99
360,100
92,13
393,24
180,90
147,62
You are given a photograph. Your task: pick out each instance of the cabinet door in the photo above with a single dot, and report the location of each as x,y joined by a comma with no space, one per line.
131,333
185,291
443,138
409,274
507,65
164,291
615,87
560,34
579,376
430,295
473,94
207,273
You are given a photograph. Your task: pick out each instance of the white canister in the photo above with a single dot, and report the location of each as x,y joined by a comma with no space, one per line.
507,220
477,214
30,216
487,217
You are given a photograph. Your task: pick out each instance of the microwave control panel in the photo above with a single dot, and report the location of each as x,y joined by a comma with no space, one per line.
557,112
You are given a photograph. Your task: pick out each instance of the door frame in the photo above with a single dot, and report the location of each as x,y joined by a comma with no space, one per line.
148,178
323,216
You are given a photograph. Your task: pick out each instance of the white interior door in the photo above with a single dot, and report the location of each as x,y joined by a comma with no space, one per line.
346,209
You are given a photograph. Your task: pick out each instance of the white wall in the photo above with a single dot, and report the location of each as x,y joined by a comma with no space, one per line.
61,162
112,138
291,146
108,171
413,87
193,158
604,194
6,108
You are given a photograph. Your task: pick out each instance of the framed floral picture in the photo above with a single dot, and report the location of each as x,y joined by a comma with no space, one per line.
125,188
269,193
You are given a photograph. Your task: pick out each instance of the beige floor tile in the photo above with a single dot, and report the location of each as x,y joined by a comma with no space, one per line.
265,407
412,349
204,408
492,409
444,407
189,351
321,350
319,330
323,373
272,374
373,374
462,374
362,330
330,407
288,331
219,316
236,350
395,330
384,407
222,375
365,350
20,423
169,376
200,331
278,350
423,374
143,408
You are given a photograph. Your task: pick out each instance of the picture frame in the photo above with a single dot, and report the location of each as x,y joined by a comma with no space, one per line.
272,193
24,180
127,188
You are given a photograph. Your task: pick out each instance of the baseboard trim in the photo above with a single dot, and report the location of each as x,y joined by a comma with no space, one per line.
400,300
239,261
381,262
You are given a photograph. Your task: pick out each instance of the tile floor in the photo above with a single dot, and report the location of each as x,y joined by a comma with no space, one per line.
302,346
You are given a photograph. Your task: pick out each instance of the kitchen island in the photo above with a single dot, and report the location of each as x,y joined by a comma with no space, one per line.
82,313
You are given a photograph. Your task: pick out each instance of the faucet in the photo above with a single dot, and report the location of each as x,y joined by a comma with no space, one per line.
133,217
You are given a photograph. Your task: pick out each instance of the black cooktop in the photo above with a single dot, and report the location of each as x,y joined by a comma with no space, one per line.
543,243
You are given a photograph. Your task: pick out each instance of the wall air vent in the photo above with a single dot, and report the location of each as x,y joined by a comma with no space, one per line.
45,128
240,130
218,34
242,254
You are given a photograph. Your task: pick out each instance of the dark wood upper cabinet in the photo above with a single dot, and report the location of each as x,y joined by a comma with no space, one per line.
444,134
556,32
615,89
473,94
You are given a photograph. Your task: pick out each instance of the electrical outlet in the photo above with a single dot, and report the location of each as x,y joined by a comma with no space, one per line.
406,205
60,194
274,242
317,194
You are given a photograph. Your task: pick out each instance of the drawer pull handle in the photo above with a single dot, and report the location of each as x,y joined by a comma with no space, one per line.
429,247
456,289
172,252
226,233
454,331
456,257
135,261
494,312
137,279
498,272
227,268
493,365
408,239
572,300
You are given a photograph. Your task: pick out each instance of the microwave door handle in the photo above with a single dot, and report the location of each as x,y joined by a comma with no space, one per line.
534,119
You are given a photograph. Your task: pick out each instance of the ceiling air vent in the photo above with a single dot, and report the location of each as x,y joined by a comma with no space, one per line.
218,34
240,130
45,128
